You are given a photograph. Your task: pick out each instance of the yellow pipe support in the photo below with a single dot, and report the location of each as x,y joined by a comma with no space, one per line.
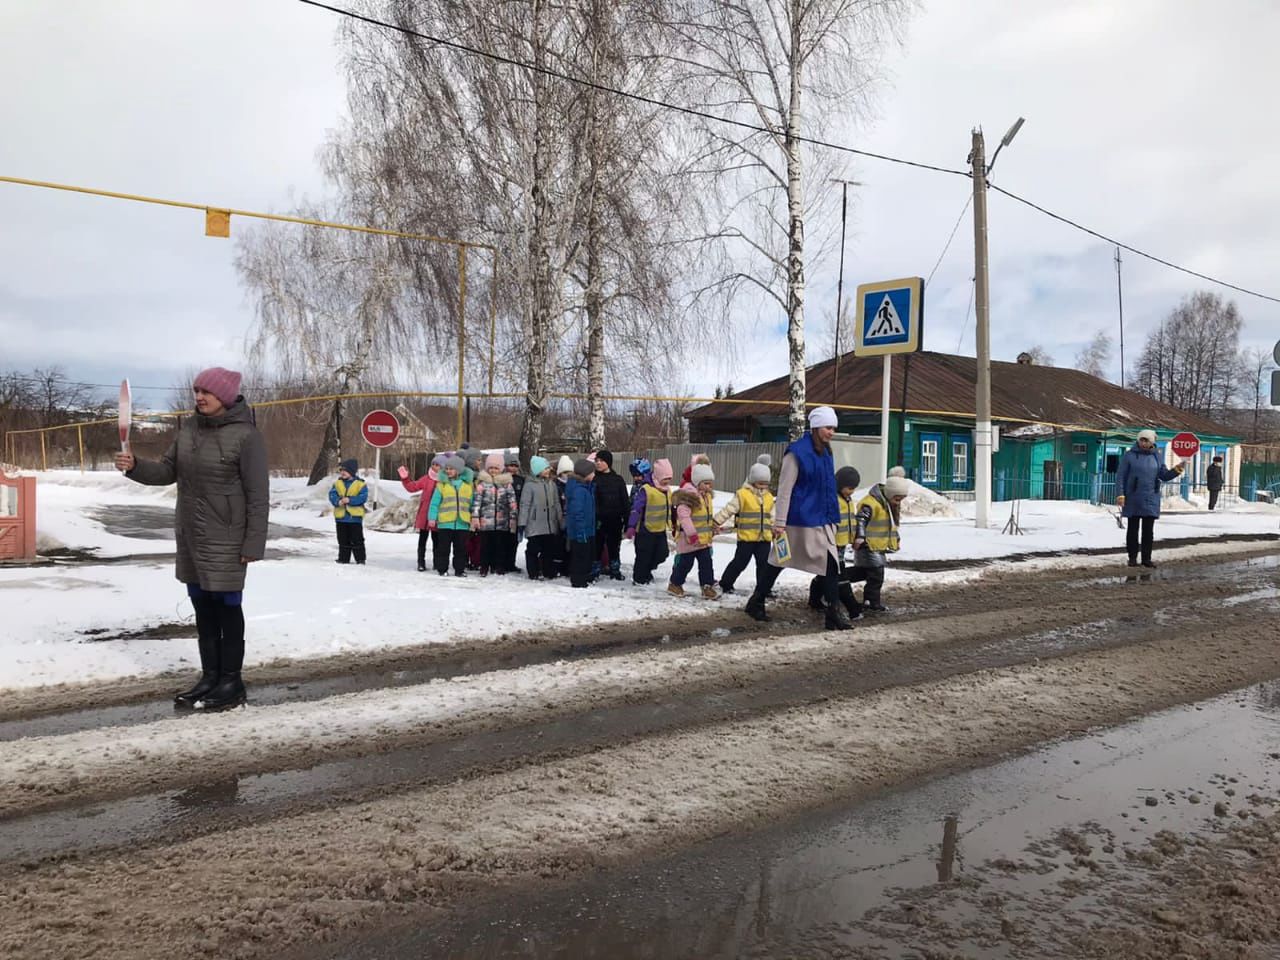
44,456
232,211
493,315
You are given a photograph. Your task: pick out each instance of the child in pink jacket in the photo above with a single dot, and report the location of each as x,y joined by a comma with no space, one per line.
693,529
427,484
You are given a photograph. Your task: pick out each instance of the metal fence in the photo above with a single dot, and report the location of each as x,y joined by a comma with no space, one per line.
1077,485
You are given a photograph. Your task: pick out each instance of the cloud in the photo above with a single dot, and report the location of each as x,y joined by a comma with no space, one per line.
1141,121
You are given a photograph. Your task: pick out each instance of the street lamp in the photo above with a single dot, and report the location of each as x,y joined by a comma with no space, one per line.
982,331
844,209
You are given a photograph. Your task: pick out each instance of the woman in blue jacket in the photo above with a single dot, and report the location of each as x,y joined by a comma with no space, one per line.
1138,481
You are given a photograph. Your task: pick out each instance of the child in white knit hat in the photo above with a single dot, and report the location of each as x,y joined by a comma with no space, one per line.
877,535
751,510
693,528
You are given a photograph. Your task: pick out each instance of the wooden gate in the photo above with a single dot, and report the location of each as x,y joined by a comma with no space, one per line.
17,518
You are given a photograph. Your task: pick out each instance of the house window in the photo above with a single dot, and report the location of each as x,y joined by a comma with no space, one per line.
1079,449
929,461
959,462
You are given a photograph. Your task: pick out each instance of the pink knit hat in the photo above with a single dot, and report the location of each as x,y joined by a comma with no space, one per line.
222,383
494,461
662,470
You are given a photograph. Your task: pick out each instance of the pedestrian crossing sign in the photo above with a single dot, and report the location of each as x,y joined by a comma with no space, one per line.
889,317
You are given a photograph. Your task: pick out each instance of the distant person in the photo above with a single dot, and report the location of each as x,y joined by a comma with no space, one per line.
494,509
580,522
348,495
219,462
807,512
512,459
648,523
751,510
878,518
427,485
449,518
613,506
693,529
1213,480
542,520
1138,479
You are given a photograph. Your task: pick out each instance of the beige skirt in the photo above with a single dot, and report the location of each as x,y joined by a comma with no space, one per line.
810,548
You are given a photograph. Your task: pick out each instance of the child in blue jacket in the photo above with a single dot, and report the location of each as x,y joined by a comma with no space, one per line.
580,522
348,496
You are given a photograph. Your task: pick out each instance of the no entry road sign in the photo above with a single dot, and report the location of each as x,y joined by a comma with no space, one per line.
380,428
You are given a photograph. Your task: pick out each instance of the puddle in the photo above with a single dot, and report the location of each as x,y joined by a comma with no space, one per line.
852,880
141,522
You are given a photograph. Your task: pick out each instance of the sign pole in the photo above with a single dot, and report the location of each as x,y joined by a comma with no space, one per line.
377,473
884,416
982,338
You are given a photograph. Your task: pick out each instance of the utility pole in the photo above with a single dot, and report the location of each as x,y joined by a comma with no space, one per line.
982,323
982,337
1120,301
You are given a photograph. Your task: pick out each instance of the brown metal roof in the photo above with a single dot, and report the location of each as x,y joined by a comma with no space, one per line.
944,384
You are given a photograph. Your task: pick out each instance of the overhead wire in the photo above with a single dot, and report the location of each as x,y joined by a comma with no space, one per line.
744,125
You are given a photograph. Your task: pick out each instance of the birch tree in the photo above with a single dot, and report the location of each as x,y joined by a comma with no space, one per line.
791,67
1095,356
1192,361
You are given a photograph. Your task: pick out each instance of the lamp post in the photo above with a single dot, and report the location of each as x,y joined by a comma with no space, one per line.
844,210
982,327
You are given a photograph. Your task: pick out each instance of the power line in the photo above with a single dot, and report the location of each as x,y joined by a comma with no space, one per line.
1134,250
692,111
605,88
947,245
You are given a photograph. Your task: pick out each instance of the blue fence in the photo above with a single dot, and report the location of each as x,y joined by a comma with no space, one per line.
1068,485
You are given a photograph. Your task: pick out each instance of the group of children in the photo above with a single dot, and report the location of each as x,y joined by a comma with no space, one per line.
475,508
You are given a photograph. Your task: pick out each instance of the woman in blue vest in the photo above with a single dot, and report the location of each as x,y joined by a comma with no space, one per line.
1138,481
807,511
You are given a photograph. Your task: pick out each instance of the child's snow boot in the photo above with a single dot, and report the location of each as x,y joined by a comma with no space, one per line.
674,590
710,593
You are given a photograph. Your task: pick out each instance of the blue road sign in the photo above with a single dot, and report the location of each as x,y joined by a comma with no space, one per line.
890,314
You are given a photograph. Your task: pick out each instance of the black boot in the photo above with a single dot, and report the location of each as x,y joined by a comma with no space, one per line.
755,608
208,634
615,570
815,594
837,620
850,601
230,690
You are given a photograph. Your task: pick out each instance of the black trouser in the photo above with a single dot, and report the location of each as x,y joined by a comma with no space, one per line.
509,542
445,540
1148,533
350,541
744,554
609,537
872,576
684,563
423,536
651,552
492,553
1213,497
830,582
581,556
540,555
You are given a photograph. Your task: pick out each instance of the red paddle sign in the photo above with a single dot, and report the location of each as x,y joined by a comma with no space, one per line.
1185,445
380,428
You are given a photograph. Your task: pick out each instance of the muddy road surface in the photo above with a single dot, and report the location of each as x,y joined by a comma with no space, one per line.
396,793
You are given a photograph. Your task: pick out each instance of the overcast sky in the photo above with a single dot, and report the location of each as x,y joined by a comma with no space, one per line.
1146,120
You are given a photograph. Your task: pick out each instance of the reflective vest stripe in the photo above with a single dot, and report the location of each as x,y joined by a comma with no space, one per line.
657,507
341,510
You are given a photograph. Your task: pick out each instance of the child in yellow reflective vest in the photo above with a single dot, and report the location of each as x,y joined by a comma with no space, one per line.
877,536
647,525
847,480
751,510
348,496
449,518
693,529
